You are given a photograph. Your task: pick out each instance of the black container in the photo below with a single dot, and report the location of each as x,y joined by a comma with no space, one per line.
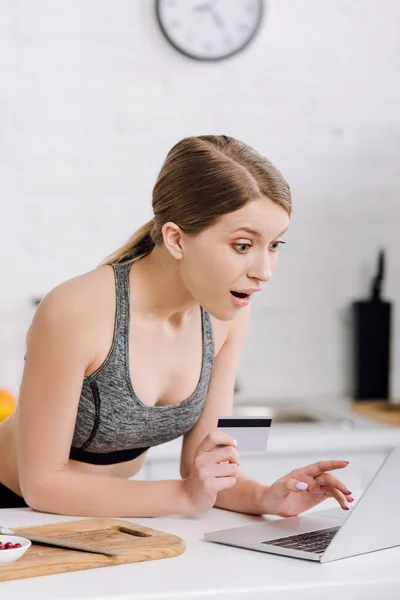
371,336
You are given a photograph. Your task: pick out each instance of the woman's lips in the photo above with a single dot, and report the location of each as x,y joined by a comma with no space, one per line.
240,302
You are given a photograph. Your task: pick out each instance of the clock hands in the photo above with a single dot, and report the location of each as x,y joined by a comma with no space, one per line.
208,7
217,19
204,6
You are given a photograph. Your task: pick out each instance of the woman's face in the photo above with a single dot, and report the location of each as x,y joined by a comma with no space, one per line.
237,254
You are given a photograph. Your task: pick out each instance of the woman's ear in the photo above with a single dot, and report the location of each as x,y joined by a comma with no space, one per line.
173,239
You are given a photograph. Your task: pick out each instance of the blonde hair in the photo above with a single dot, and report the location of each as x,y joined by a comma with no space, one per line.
202,179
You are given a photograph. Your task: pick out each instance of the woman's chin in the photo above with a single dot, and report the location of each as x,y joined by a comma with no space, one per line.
221,313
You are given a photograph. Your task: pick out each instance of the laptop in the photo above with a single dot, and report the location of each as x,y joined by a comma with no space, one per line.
373,523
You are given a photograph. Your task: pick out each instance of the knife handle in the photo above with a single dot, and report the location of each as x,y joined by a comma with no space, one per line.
134,532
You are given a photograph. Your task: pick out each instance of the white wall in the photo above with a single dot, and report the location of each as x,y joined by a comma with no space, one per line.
91,99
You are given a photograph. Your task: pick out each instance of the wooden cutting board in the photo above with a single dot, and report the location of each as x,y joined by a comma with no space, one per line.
379,410
108,534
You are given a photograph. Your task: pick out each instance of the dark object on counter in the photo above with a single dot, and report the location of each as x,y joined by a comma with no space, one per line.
371,327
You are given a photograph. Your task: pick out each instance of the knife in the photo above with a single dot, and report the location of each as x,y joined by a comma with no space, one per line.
36,539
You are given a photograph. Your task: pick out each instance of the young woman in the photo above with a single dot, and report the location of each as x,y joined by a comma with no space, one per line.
144,349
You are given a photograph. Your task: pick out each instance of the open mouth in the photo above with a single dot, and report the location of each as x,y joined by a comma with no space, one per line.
239,294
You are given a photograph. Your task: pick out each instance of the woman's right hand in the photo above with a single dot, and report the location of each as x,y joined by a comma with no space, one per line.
214,469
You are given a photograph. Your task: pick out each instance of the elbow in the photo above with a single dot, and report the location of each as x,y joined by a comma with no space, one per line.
35,504
184,471
38,494
35,496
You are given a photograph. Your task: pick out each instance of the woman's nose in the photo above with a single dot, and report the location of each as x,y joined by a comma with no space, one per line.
261,270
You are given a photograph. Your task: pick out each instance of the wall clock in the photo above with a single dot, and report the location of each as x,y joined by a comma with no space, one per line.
209,29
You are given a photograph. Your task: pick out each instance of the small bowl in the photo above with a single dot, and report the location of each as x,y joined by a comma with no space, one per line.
11,554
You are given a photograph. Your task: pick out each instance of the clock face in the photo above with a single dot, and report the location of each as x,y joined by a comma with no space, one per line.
209,29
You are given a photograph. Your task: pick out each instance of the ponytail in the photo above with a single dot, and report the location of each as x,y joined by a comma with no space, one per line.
138,246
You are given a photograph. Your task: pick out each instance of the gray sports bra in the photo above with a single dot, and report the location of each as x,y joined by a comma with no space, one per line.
112,424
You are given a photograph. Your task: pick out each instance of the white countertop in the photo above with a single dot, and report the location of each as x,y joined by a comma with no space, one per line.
211,570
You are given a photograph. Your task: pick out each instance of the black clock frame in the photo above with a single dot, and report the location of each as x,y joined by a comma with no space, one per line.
212,59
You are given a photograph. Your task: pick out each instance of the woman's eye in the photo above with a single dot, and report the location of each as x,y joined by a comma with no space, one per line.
275,246
242,248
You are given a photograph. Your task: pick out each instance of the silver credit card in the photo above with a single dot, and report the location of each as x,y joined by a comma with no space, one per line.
251,433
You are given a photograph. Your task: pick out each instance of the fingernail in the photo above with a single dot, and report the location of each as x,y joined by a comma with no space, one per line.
348,491
234,442
347,505
301,485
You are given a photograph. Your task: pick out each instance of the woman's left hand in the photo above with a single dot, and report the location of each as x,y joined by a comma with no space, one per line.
304,488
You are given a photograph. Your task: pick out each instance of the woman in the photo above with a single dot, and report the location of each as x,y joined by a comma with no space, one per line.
144,349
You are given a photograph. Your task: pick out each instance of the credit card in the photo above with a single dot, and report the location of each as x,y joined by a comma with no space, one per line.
251,433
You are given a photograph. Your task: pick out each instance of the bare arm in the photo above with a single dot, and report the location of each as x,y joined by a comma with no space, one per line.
59,350
283,497
245,495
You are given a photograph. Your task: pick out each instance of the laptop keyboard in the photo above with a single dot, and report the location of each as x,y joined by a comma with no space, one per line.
312,541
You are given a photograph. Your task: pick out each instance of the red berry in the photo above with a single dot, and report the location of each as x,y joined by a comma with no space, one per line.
9,545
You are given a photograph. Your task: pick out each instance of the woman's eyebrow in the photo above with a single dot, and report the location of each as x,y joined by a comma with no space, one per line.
257,233
248,229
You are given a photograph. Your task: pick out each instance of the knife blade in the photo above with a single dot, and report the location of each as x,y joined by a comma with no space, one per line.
45,541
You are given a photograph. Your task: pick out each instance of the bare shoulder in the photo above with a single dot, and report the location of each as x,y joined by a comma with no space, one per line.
78,291
78,295
77,304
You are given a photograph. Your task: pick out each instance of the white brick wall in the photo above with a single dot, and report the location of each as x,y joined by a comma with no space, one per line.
91,99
